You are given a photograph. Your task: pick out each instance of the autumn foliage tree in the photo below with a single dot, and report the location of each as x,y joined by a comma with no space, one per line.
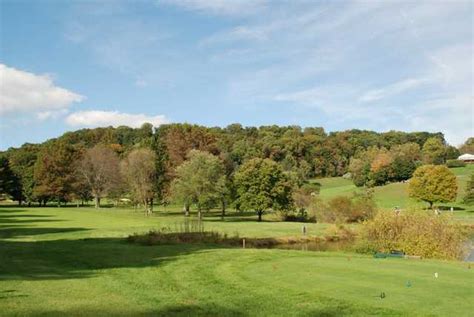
432,184
468,146
139,170
99,168
54,172
378,166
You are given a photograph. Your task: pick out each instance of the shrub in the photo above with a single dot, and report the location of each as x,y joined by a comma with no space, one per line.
302,199
342,209
455,163
413,232
339,233
300,215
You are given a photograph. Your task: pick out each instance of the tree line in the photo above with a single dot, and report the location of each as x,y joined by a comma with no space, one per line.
248,167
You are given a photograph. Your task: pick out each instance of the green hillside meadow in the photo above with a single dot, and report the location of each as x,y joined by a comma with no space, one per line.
47,253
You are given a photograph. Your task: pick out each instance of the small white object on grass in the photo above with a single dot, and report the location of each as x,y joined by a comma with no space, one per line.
436,275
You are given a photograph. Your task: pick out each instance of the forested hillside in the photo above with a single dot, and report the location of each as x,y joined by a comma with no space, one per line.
48,171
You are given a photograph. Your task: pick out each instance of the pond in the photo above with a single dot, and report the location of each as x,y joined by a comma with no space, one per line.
317,246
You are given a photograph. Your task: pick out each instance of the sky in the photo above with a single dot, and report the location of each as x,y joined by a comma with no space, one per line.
375,65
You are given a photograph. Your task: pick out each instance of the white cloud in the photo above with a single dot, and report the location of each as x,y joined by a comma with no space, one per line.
44,115
453,115
22,91
306,97
392,89
141,82
219,7
97,118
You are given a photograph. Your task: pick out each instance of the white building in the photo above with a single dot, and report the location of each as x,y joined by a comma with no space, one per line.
466,158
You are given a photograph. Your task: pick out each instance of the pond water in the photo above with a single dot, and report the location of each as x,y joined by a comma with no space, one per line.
317,246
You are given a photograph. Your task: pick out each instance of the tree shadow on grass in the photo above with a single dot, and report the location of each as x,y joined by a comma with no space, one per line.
9,232
63,259
197,310
444,207
10,209
12,220
16,225
2,216
252,218
11,293
181,310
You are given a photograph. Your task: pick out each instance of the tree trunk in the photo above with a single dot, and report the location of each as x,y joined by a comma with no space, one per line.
259,215
431,204
223,209
151,206
186,210
96,202
199,213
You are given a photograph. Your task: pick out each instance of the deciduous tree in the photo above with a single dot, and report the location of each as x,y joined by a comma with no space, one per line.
200,180
469,196
22,162
139,170
9,182
262,185
468,146
99,168
434,151
54,173
432,184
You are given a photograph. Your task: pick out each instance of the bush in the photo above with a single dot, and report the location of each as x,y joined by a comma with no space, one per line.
414,232
339,233
455,163
342,209
300,215
302,199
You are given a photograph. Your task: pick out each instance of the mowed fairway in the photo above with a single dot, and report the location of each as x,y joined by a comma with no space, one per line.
75,262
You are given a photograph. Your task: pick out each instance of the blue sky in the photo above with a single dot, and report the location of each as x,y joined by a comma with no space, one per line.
378,65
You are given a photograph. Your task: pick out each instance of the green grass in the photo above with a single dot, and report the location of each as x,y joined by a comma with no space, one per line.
120,222
75,262
396,194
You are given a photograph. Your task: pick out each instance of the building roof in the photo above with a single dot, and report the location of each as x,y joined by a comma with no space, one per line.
466,157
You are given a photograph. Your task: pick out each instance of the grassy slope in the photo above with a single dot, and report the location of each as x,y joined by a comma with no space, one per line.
396,194
68,261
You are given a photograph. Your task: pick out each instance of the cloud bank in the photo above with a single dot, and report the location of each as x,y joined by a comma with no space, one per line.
97,118
22,91
219,7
